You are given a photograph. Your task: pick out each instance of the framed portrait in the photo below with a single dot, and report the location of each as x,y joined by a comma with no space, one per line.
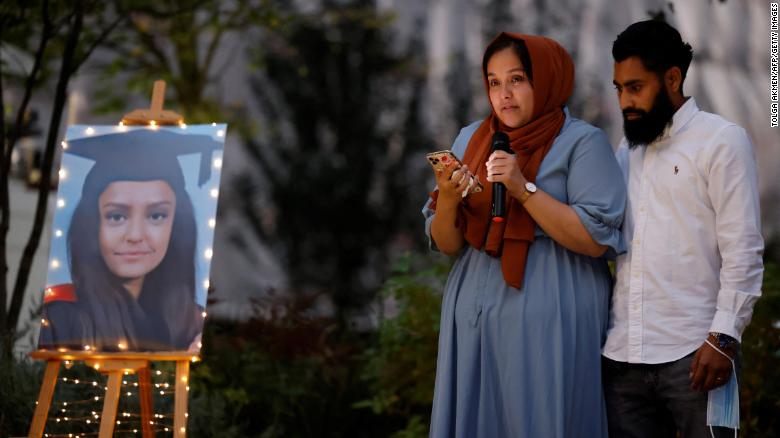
132,237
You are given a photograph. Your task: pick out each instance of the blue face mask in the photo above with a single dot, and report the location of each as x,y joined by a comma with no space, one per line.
723,401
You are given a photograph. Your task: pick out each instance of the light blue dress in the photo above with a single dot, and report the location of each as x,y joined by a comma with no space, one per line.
527,363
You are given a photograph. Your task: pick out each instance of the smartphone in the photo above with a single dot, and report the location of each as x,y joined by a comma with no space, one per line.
440,159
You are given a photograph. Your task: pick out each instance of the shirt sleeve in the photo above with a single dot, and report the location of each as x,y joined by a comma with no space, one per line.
732,186
597,191
459,149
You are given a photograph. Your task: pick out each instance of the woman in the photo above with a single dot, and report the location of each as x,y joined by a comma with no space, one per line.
525,305
131,247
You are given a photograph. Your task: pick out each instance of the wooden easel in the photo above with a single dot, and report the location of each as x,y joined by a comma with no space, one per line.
115,365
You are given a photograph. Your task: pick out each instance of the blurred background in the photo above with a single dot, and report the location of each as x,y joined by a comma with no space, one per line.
324,301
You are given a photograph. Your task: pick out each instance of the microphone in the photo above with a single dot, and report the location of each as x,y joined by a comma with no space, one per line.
500,143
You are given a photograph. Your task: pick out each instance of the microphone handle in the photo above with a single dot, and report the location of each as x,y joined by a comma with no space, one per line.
499,199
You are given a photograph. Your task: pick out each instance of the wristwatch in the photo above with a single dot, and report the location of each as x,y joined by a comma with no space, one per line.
724,341
530,189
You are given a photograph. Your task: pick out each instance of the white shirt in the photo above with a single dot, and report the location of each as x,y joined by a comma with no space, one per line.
693,226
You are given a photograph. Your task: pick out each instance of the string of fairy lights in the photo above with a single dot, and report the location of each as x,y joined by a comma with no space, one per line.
81,418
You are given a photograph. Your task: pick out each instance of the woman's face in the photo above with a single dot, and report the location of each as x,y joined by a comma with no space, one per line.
511,95
136,219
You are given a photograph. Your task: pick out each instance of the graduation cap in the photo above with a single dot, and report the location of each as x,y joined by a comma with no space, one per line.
142,155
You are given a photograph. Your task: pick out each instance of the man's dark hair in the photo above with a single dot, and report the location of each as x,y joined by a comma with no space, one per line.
657,44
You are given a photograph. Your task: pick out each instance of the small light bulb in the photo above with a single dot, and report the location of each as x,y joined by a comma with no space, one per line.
58,233
212,223
214,193
208,253
218,163
55,263
60,203
220,133
89,131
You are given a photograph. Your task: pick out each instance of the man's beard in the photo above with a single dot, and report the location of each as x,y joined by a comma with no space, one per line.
650,125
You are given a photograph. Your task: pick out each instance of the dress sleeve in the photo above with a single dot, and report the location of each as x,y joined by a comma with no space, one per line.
597,191
459,149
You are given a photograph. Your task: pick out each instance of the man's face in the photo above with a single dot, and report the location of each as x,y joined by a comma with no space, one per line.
644,101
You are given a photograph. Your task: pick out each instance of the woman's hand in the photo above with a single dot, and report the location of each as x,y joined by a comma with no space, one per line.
556,218
452,181
502,167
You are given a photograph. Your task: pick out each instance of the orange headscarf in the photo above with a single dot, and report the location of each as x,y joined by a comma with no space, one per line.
553,82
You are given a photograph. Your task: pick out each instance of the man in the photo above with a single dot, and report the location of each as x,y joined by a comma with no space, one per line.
686,287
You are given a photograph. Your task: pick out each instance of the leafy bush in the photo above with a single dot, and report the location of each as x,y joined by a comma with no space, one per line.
401,368
760,379
19,383
289,375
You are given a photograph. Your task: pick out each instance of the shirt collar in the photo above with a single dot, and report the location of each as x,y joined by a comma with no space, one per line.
567,116
681,117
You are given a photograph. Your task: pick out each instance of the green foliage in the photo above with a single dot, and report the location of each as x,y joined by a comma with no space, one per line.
180,42
338,141
295,374
760,379
19,382
401,368
288,375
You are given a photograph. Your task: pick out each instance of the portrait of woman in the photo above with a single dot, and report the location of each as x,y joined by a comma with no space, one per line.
131,248
525,306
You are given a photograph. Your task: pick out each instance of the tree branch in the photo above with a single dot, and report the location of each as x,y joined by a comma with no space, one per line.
8,147
150,44
60,98
98,41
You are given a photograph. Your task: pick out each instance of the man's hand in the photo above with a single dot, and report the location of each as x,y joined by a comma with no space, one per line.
709,369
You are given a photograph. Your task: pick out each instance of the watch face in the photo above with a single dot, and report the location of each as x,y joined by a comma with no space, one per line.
531,187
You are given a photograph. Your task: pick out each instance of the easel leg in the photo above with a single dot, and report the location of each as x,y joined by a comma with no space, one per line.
108,419
44,399
180,408
145,396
